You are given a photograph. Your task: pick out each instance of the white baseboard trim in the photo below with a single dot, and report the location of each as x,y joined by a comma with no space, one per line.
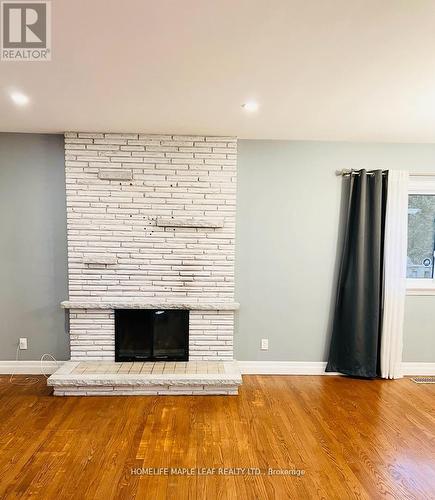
316,368
283,368
246,367
418,369
29,367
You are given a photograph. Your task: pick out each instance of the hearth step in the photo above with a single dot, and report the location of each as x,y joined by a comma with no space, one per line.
105,378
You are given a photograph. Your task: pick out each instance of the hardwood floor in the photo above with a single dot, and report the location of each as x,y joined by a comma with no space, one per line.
353,438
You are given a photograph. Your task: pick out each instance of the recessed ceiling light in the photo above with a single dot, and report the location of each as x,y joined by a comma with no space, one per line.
19,98
250,106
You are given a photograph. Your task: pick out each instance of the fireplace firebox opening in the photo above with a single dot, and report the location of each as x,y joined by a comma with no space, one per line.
151,335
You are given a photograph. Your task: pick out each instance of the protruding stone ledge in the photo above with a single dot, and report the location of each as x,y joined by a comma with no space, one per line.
115,174
99,259
194,306
189,222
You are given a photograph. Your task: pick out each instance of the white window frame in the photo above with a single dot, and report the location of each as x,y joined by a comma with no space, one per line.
421,184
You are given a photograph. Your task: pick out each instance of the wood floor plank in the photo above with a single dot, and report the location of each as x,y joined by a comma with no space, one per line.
352,438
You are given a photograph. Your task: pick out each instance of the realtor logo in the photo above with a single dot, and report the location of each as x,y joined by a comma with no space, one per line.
25,31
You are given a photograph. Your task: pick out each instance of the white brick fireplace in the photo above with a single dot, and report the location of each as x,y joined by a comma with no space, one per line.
151,224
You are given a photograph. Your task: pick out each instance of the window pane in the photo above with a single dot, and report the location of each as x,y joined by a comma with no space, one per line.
421,232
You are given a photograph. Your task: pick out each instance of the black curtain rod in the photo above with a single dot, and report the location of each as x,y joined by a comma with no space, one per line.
357,172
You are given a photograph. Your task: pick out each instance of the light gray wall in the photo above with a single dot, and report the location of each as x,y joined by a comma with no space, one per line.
287,231
288,213
419,329
33,264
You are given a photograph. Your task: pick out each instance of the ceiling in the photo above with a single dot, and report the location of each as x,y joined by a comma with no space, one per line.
360,70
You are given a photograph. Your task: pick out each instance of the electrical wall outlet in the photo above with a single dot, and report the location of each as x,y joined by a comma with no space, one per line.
264,344
23,343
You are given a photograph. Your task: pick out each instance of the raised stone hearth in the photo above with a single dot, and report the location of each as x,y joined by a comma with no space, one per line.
161,378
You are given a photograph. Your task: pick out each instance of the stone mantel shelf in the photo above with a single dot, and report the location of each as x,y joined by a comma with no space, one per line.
205,222
119,304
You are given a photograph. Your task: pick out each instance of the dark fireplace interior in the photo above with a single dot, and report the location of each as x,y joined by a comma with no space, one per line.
151,335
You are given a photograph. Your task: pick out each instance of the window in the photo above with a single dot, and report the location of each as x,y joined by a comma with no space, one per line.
421,236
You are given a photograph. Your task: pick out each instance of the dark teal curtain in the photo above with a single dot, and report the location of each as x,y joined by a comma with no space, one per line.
356,332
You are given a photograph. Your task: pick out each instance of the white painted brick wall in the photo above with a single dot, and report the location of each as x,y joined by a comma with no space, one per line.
92,334
211,335
172,176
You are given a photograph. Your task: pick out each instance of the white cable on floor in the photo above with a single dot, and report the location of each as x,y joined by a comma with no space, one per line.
27,380
43,359
32,380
